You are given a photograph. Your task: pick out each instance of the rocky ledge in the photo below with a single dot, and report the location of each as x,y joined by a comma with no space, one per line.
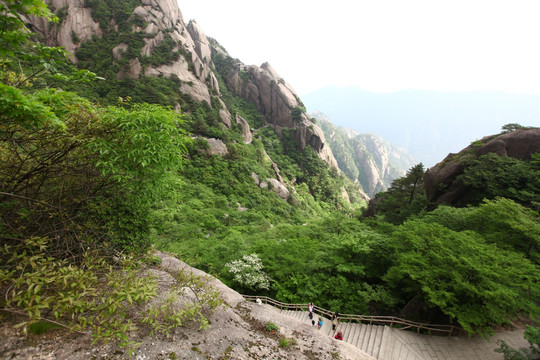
236,331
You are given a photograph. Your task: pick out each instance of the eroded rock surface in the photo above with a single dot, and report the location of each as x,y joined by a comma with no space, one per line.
236,331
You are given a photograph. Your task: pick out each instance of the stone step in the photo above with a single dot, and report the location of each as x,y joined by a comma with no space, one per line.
360,338
386,343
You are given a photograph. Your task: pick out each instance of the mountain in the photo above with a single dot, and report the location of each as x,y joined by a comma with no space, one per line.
367,159
428,125
147,53
149,38
177,145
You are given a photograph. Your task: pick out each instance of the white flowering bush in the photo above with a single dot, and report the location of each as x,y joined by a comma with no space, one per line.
248,272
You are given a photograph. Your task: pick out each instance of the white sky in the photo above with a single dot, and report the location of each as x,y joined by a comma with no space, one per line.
382,45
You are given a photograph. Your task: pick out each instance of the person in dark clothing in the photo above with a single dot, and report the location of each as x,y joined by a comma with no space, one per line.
335,321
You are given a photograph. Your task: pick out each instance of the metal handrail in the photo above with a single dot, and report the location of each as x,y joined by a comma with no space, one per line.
392,321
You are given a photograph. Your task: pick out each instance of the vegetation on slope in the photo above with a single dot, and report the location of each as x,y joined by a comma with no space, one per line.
84,181
78,182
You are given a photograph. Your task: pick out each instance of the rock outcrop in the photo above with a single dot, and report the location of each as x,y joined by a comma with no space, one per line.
164,23
160,24
279,188
236,331
442,181
246,130
216,147
76,27
278,102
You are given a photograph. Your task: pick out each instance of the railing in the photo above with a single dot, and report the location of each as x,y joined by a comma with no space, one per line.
397,323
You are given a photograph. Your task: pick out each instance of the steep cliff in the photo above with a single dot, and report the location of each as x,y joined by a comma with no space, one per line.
365,158
151,38
274,98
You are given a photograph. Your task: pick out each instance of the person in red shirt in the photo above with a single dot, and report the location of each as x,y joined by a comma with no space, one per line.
339,335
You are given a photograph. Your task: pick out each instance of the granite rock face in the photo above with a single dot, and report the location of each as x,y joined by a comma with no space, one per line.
161,22
441,181
76,27
369,160
164,21
235,331
246,130
279,103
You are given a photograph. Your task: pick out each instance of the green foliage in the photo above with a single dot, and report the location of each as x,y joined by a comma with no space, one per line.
105,10
164,53
491,175
90,170
297,113
28,111
13,36
501,221
512,127
94,296
269,326
286,343
405,197
41,327
476,283
141,160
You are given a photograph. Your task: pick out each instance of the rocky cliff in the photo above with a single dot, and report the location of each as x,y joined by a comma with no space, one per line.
159,23
443,183
367,159
275,99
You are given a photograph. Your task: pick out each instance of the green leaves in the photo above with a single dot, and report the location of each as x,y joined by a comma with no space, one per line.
490,176
13,35
475,283
148,137
28,111
110,302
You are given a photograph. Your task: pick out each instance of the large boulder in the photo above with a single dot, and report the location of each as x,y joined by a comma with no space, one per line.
442,181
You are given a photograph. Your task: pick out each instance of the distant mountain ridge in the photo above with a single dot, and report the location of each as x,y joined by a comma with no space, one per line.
428,125
367,159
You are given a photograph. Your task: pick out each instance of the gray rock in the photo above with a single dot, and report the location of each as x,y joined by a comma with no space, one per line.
256,178
246,130
236,332
217,147
119,50
279,188
277,101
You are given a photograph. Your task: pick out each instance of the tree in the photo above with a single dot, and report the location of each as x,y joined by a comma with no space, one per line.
12,29
500,221
512,127
474,283
248,272
491,176
405,197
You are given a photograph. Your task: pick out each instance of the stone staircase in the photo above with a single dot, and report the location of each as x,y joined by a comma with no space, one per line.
368,338
386,343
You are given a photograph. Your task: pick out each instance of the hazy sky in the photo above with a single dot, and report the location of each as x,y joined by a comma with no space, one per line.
382,45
